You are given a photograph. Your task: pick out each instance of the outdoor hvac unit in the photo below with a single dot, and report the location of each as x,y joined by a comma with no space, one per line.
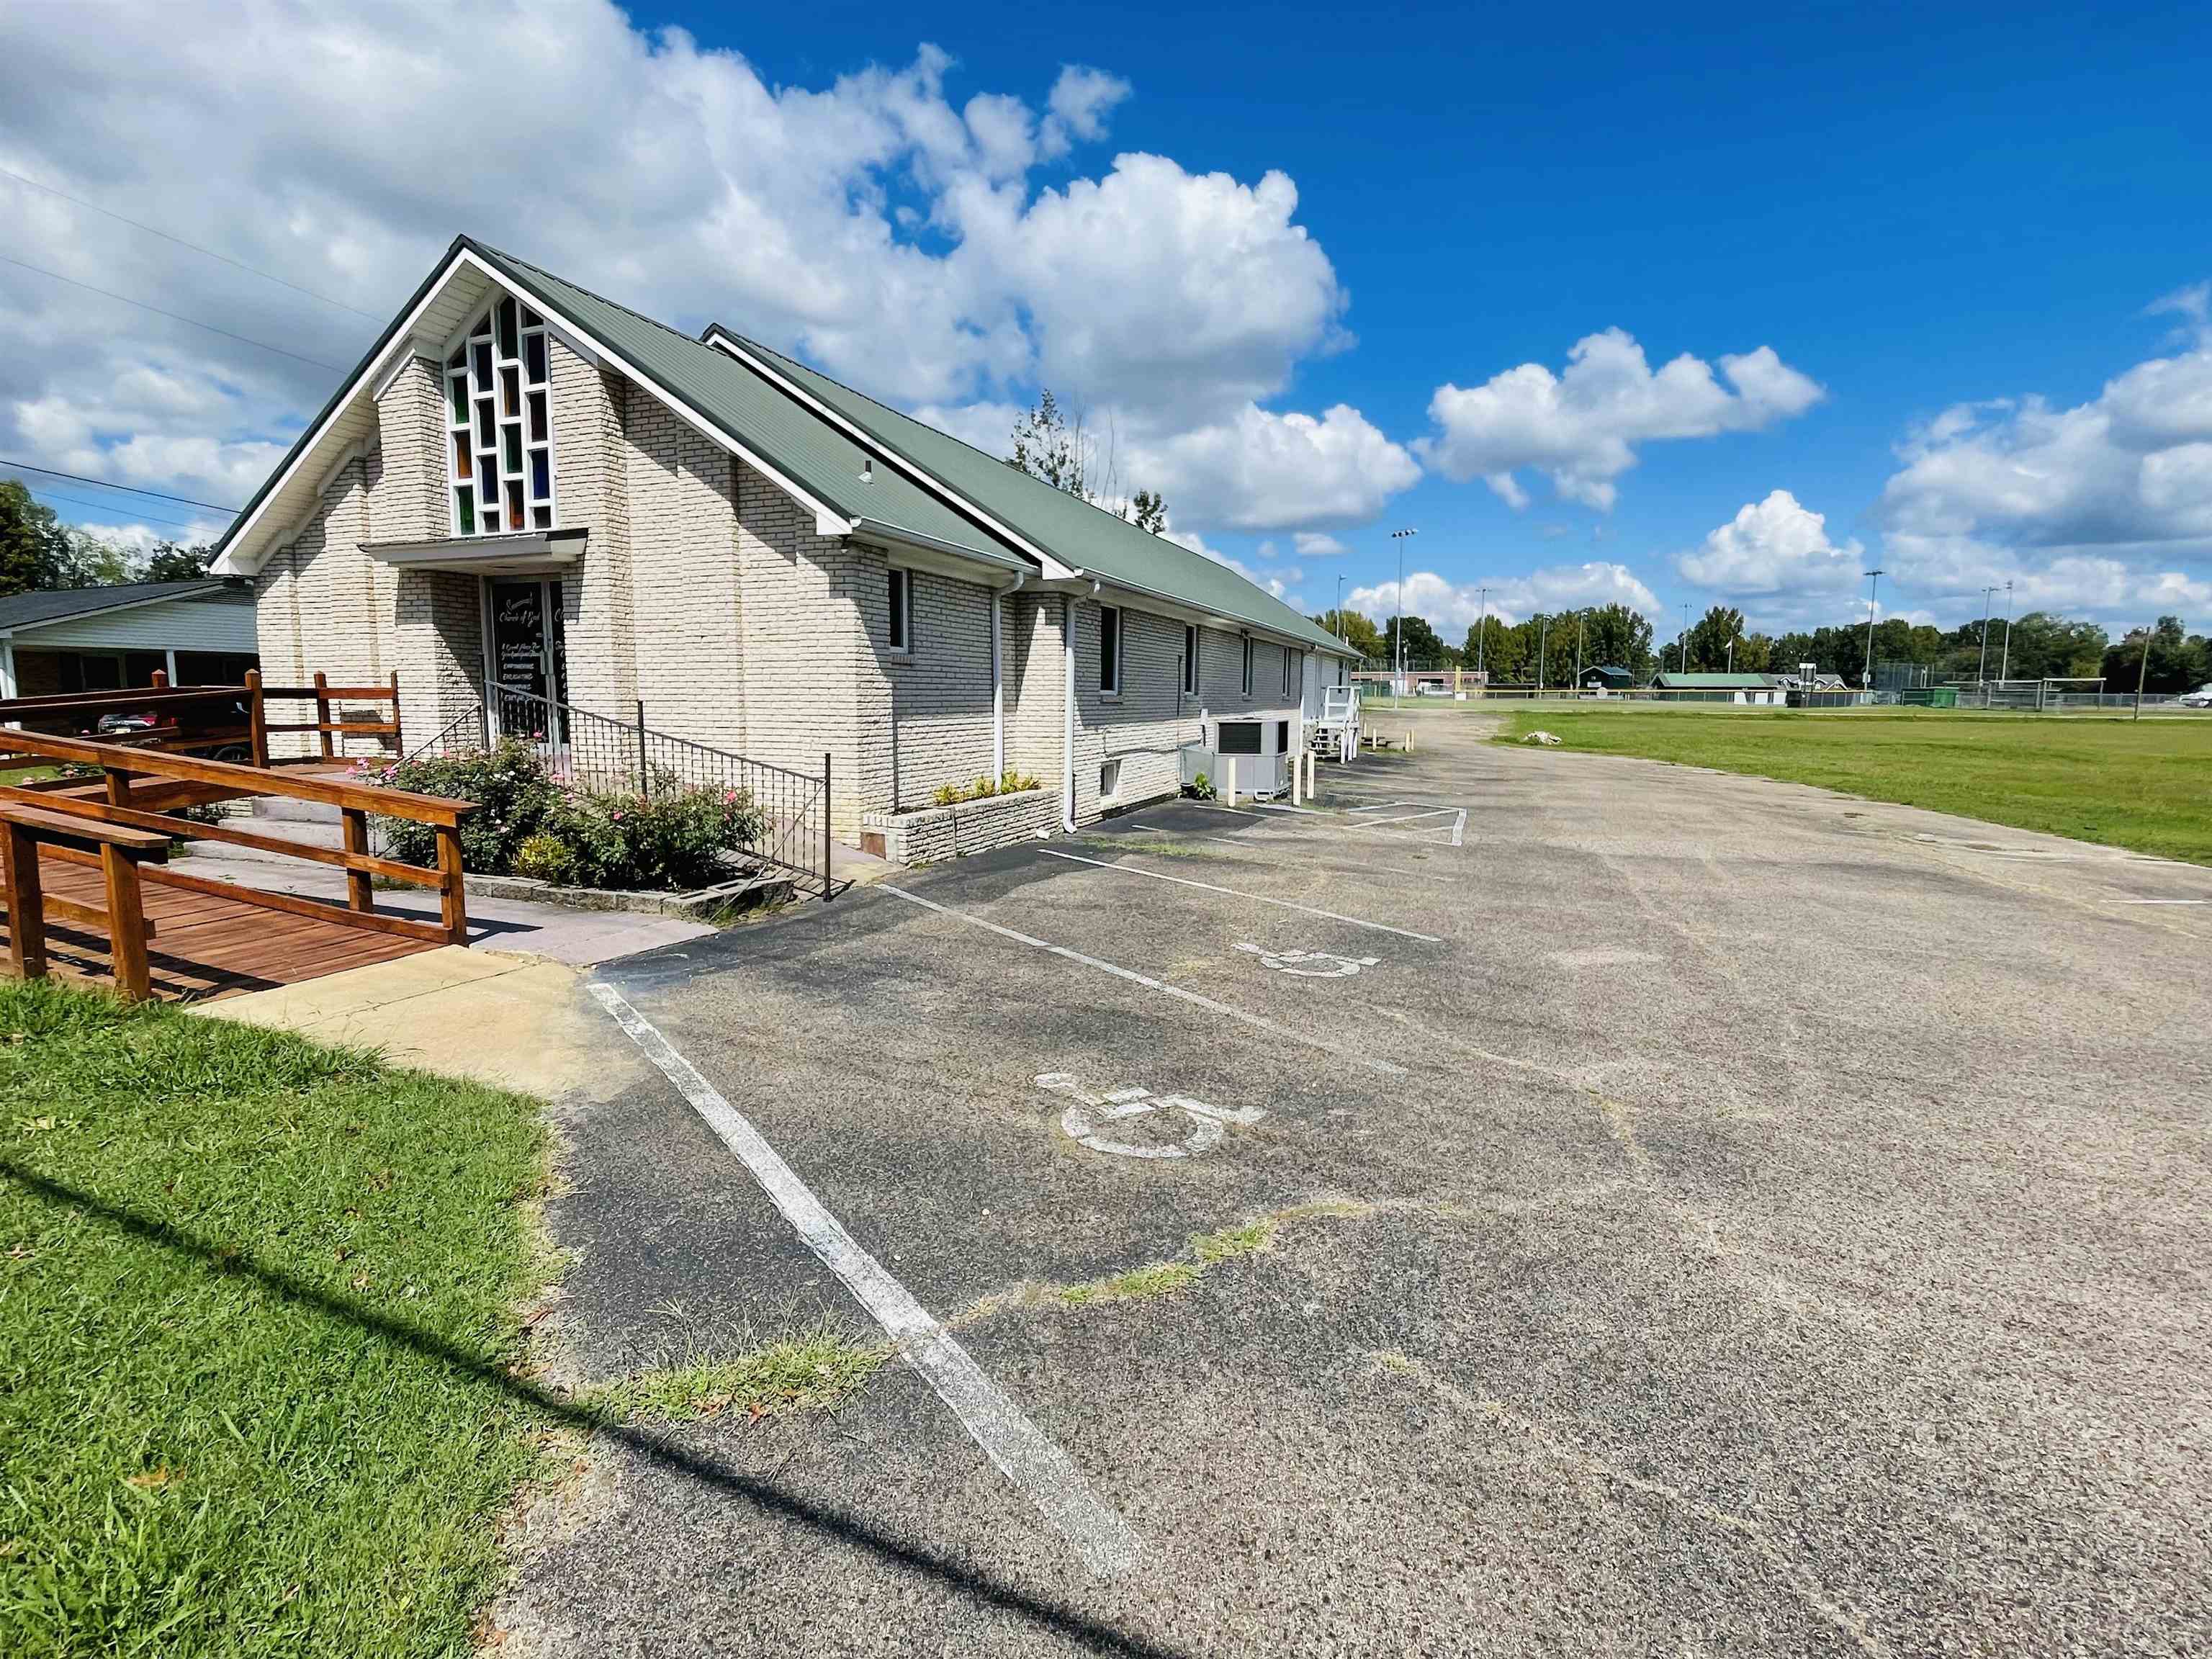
1248,753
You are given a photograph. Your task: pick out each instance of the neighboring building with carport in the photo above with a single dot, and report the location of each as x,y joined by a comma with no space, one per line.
60,641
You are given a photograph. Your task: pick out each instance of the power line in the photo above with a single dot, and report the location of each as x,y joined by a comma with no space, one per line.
104,507
106,294
105,483
151,230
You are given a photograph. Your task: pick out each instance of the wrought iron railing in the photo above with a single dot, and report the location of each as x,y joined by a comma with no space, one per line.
592,751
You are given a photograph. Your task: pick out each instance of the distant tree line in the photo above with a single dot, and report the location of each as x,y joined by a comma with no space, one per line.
38,552
2044,645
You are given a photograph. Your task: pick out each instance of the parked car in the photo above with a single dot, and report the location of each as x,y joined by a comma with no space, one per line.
216,728
2200,698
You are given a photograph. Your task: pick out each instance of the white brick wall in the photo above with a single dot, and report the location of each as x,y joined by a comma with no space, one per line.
591,489
1143,728
684,563
975,826
1036,684
941,689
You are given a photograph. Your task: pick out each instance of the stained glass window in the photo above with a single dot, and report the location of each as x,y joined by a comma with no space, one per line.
500,472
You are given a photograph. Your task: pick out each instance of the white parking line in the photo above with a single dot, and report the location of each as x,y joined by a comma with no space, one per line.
2159,901
1382,805
1008,1439
1257,898
1255,1021
1409,817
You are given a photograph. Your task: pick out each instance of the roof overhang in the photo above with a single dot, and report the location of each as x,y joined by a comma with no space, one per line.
447,298
913,551
209,591
1089,584
526,553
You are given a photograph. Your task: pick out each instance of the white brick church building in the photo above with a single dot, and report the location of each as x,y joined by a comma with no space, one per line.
524,484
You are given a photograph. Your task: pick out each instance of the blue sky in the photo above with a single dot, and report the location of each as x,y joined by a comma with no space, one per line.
1914,211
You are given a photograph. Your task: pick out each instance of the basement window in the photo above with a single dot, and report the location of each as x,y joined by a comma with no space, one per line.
1110,780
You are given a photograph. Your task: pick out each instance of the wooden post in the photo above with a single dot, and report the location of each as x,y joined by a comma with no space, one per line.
126,923
119,787
26,914
453,900
323,715
359,894
256,718
160,680
399,748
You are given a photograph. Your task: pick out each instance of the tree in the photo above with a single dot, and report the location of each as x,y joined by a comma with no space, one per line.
1047,445
1357,631
1490,647
1710,638
172,563
2176,662
1423,649
35,551
1619,636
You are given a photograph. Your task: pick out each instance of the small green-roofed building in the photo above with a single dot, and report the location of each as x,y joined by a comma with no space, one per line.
1722,688
529,496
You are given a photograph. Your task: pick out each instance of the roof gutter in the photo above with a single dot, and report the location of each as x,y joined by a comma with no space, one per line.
1332,647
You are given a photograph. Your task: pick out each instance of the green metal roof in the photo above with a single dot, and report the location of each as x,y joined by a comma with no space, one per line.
1068,527
798,443
1719,681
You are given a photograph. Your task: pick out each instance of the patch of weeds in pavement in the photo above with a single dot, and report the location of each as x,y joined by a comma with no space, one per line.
1157,846
816,1371
1158,1279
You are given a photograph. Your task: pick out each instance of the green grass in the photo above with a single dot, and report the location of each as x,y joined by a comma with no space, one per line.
2140,784
258,1298
818,1371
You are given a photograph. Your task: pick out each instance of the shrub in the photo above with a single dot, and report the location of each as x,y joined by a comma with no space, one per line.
515,795
1007,783
546,857
1200,787
528,823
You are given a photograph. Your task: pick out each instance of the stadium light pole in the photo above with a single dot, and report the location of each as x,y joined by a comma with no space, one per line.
1340,607
1398,623
1686,636
2004,667
2143,671
1482,634
1582,627
1543,633
1982,672
1874,587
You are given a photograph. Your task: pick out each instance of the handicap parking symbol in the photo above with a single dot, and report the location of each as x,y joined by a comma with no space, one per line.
1309,964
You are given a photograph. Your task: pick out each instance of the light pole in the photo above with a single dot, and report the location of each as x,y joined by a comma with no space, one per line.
1398,623
1543,633
2004,665
1731,667
2142,672
1340,607
1874,587
1582,627
1482,636
1982,672
1686,636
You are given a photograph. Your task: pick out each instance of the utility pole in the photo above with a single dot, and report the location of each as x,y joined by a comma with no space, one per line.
1482,634
2004,667
1340,607
1686,636
2143,671
1866,674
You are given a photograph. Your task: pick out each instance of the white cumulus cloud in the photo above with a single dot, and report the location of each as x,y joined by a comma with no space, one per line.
1581,427
1453,607
1774,546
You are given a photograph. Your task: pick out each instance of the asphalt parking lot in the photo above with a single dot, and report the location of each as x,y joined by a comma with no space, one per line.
1707,1215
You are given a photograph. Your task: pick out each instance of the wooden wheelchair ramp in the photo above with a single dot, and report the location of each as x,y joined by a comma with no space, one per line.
201,945
88,891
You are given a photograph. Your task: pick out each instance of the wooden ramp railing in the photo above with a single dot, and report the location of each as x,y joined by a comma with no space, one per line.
121,814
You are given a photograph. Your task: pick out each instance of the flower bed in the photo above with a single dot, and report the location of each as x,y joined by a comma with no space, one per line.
673,839
951,832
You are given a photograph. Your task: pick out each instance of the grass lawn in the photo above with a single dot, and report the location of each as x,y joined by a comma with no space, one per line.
256,1298
2144,785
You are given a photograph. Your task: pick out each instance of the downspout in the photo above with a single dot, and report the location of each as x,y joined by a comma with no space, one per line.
1067,714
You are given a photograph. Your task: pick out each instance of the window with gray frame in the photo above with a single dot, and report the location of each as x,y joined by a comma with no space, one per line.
1248,665
1190,660
1109,649
902,609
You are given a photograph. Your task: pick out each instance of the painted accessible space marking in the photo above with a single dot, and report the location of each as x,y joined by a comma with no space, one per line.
1309,964
1233,892
1008,1439
1258,1023
1081,1122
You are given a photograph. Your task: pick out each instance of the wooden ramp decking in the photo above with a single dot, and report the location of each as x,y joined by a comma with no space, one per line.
205,946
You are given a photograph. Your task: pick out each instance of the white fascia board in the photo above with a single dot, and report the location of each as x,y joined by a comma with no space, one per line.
1052,567
234,563
924,552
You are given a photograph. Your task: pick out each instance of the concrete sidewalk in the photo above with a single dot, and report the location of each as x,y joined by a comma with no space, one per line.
513,1021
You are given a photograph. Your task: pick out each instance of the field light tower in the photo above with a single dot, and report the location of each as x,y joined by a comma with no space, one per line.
1982,672
1866,674
1481,631
2004,665
1398,623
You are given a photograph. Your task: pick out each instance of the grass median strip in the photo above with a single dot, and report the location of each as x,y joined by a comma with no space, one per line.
258,1308
2126,783
816,1371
